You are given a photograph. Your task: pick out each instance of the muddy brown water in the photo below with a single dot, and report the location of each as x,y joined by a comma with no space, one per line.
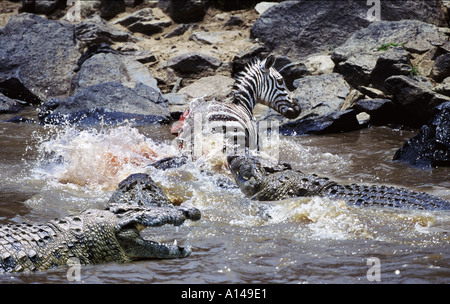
52,172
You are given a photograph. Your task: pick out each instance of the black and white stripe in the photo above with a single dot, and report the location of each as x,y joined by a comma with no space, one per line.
259,82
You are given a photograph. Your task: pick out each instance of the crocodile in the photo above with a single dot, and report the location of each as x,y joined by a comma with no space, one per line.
262,180
98,236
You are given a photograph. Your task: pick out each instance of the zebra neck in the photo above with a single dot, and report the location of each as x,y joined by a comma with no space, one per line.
244,99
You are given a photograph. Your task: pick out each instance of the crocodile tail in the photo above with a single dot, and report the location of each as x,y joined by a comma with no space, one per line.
364,195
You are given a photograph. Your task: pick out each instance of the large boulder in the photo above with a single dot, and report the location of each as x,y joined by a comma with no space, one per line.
108,103
300,28
414,97
107,67
383,49
431,146
37,58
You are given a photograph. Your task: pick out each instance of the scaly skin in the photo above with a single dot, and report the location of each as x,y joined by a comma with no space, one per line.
97,236
263,181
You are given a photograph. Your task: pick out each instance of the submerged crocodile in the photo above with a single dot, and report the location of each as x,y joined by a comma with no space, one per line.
263,181
98,236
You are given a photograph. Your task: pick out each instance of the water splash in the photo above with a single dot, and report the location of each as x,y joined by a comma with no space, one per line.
96,158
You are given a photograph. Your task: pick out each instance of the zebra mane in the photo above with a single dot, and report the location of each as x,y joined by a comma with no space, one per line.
240,87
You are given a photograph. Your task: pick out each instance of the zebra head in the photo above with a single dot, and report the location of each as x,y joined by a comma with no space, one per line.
273,91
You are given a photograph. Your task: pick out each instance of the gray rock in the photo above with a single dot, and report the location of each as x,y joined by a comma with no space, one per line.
213,37
416,36
192,63
179,30
107,67
441,68
150,27
145,14
300,28
415,98
45,7
382,111
261,7
216,86
37,58
444,87
110,103
357,69
321,95
96,30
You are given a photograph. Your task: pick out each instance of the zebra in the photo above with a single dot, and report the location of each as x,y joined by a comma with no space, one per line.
233,118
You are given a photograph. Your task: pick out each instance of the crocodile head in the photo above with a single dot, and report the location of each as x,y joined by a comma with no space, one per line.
139,203
249,172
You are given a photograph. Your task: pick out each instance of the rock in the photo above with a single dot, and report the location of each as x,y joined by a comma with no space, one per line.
217,86
382,49
97,30
357,69
179,30
335,122
382,111
46,7
300,28
413,97
193,63
37,58
290,70
441,68
319,64
150,27
177,103
8,105
444,87
321,95
109,9
234,20
145,14
243,58
184,11
415,36
394,61
431,146
261,7
213,37
110,103
107,67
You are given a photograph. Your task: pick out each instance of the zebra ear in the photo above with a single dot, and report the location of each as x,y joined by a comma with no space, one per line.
268,63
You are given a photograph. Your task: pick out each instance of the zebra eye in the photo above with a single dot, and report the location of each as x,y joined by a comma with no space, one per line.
280,81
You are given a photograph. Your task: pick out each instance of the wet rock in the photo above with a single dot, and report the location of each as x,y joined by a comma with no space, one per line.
37,58
300,28
110,103
415,98
184,11
96,30
335,122
8,105
192,63
431,146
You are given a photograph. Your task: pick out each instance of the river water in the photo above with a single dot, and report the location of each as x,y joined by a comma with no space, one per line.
48,172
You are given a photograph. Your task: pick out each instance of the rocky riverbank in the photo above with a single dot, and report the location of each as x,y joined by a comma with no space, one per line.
143,61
